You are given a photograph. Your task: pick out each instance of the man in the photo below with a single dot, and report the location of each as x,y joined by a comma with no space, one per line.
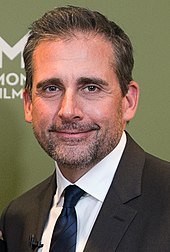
79,96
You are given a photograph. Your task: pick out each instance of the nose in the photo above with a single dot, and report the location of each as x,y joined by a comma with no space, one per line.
70,107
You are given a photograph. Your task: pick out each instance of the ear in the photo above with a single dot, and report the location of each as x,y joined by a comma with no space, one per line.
131,101
27,106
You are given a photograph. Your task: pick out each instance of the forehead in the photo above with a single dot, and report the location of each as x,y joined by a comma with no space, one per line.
75,47
83,55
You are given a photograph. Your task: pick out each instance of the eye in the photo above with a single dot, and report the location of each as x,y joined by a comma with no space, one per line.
91,88
49,91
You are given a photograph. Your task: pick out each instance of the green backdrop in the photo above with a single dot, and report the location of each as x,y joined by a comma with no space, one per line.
22,162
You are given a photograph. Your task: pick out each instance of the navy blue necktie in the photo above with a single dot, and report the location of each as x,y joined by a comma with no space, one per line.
65,231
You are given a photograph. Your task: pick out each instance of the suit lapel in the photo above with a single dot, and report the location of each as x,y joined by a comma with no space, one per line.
111,224
115,215
41,209
45,204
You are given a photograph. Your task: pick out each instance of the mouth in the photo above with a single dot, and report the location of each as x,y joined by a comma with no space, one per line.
73,133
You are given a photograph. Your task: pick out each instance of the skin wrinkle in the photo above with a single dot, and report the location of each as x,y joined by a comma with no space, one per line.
81,83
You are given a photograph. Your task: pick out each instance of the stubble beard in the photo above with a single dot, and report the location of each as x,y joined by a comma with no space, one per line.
79,154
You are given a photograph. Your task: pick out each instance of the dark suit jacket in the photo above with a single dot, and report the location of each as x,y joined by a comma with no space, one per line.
135,216
3,246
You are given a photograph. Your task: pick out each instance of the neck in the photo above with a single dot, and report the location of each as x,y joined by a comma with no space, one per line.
73,174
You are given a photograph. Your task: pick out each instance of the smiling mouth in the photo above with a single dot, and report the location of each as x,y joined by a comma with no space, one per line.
73,133
73,129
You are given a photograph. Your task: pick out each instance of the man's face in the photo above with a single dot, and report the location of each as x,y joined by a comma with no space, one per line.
77,109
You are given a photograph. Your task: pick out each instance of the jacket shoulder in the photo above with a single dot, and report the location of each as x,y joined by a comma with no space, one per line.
157,169
35,192
28,201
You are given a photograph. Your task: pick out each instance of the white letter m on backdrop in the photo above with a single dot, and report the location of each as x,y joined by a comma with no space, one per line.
12,52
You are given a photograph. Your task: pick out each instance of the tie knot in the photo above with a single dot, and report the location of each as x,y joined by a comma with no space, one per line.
72,195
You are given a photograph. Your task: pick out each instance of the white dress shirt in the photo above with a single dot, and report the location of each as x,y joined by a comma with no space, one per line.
96,184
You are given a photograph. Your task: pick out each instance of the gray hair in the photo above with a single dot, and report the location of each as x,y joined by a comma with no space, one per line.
63,22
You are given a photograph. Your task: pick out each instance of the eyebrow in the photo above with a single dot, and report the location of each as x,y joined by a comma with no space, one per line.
80,81
92,80
54,81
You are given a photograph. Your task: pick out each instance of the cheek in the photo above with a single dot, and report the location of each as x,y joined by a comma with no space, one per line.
42,113
109,115
95,110
102,112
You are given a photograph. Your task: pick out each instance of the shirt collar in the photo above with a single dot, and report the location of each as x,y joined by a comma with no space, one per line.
96,182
